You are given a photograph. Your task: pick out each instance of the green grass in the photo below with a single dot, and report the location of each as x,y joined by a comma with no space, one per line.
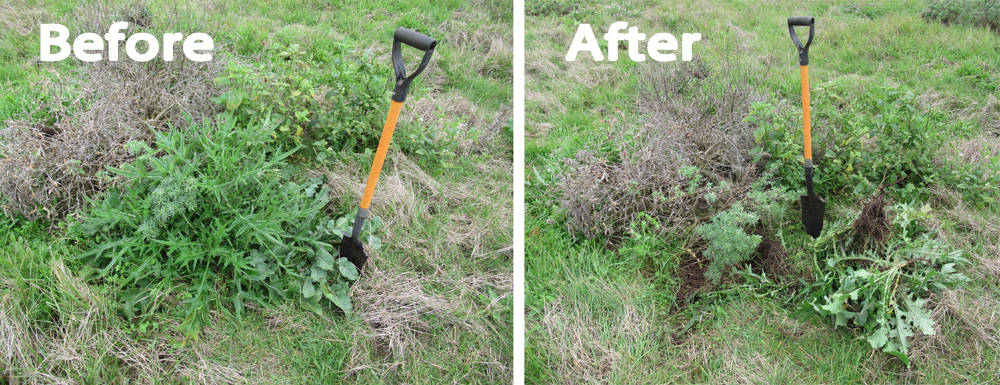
737,335
435,304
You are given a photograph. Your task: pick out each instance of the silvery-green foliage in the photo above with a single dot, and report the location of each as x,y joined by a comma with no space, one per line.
728,242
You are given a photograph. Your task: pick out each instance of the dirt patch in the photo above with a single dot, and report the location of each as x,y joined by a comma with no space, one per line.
771,258
691,271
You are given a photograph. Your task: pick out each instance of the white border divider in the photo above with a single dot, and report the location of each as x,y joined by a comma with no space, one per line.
518,192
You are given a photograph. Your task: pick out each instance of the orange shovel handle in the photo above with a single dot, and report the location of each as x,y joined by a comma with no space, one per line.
805,112
383,147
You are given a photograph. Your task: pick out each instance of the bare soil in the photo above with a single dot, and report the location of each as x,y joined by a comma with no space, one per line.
692,273
771,258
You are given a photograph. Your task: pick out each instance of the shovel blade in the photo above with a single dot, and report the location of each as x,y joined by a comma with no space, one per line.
354,251
813,209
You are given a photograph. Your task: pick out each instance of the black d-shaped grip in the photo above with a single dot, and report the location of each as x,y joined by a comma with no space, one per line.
802,21
416,40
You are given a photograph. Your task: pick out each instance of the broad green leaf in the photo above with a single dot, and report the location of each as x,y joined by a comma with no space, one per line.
374,243
862,317
340,299
324,260
892,349
836,304
347,269
282,251
842,318
878,339
308,290
319,275
918,317
312,303
902,332
234,102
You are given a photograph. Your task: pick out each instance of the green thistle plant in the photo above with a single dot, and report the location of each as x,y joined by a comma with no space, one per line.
212,213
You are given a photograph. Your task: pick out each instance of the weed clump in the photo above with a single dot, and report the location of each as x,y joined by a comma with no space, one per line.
323,113
211,211
872,226
887,293
53,156
884,136
728,243
691,160
982,13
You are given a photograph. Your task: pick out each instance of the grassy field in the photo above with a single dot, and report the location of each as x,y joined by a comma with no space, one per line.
617,306
434,305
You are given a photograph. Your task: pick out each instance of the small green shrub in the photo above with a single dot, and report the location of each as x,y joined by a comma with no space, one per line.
770,200
357,104
211,211
255,95
983,13
434,148
728,242
884,292
348,116
875,139
550,7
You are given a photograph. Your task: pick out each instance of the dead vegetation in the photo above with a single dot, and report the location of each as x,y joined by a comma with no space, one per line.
79,343
694,119
22,17
54,160
597,344
399,317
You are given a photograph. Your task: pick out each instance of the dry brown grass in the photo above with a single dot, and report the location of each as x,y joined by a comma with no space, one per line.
404,323
604,339
967,320
986,113
399,317
85,339
485,46
406,194
478,131
50,166
478,47
24,18
683,128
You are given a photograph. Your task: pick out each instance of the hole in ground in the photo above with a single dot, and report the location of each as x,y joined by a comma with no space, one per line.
770,257
691,271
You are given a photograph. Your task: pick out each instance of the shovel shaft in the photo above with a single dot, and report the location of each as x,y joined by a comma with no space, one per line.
806,132
383,147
